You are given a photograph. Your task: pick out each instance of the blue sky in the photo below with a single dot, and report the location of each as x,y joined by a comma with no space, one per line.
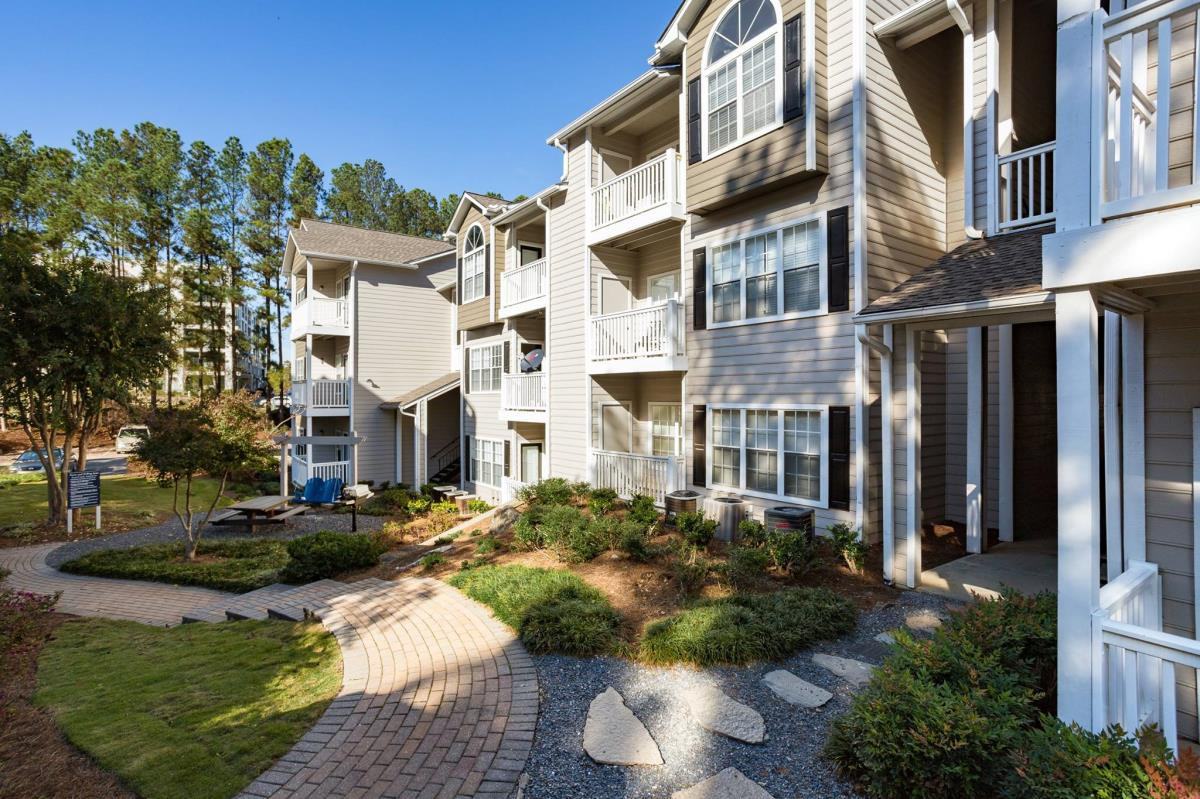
449,96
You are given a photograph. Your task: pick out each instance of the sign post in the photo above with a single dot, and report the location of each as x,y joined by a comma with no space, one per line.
83,491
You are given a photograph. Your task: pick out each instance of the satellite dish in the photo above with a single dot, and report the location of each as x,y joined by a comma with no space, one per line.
532,360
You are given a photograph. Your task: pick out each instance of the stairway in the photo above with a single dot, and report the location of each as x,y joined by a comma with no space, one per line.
447,475
280,601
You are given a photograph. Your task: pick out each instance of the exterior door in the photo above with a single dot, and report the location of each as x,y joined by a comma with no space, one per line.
665,428
530,253
531,463
616,428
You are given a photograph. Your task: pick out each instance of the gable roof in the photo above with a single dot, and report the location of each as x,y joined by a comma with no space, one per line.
317,239
489,206
437,386
1000,268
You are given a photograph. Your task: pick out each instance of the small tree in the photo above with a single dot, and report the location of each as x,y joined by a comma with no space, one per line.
225,437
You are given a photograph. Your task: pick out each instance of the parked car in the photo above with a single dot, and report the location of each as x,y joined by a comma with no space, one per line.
129,436
28,462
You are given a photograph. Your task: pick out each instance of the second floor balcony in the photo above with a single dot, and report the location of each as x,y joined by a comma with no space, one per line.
647,196
523,289
647,339
1025,182
320,316
321,397
524,397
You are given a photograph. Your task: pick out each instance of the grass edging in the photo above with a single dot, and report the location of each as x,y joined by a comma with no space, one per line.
239,565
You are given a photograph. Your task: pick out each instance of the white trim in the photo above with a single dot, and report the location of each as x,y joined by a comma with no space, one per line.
475,439
941,312
992,61
912,461
1006,433
1133,430
777,230
734,56
678,283
492,343
1196,517
1115,561
650,406
482,250
976,439
821,503
888,455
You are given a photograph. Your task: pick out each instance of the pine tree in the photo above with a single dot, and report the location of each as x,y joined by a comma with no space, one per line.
203,285
231,176
104,195
270,167
306,191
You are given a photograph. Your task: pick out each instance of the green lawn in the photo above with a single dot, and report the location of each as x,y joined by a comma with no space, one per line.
127,501
193,711
228,565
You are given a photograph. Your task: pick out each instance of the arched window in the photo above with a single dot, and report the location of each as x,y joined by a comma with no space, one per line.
474,268
742,80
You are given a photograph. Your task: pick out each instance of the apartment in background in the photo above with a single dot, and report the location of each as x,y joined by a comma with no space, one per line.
372,333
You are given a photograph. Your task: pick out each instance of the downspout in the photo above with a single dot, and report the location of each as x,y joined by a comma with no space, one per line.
959,15
889,547
563,178
400,455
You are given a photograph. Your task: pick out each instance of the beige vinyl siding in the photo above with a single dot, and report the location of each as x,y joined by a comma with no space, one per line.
481,410
954,468
477,312
639,391
760,163
567,425
396,310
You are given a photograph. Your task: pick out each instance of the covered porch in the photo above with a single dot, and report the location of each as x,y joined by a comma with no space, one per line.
428,443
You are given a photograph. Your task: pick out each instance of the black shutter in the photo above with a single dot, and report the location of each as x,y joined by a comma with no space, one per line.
458,288
467,370
839,458
507,459
793,68
693,121
838,261
699,293
699,445
467,466
507,360
487,270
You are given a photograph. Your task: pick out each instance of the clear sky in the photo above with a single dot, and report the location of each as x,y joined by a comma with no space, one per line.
449,96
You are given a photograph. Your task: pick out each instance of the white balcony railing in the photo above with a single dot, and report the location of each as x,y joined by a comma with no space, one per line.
1148,120
524,285
1137,660
628,474
650,332
525,392
1026,187
320,394
302,470
320,312
645,187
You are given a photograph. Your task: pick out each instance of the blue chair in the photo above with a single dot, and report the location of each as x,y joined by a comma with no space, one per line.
312,492
331,491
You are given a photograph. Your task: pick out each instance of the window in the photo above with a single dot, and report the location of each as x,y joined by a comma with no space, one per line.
487,461
474,268
742,82
665,429
487,364
771,275
660,288
779,453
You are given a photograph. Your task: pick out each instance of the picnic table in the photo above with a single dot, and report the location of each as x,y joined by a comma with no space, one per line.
271,509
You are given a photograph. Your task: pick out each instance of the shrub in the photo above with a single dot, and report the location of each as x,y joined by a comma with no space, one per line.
689,569
696,529
442,540
432,561
643,510
426,489
478,506
634,540
742,629
848,542
791,551
551,610
447,506
327,554
527,534
487,545
551,491
584,542
746,567
1057,761
418,505
391,502
601,500
558,522
751,533
237,565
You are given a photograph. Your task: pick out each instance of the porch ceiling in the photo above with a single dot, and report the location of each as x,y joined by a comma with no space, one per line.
1000,272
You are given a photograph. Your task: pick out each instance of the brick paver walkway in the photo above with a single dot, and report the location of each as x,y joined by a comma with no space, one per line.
150,603
438,700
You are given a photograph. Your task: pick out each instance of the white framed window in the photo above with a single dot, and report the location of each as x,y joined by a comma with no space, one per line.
742,95
772,451
487,461
486,366
474,267
666,429
777,273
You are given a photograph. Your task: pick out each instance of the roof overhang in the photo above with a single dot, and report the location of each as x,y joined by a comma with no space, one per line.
402,403
433,257
922,20
465,201
669,46
643,88
976,310
528,206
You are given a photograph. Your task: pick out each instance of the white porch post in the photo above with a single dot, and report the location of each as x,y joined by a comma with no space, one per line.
1112,445
912,461
1078,357
1133,436
1006,427
977,341
398,466
887,400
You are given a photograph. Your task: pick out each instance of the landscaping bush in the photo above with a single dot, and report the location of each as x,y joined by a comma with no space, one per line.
848,543
487,545
634,540
1057,761
526,532
751,533
229,565
478,506
791,551
551,491
390,502
689,569
585,541
328,554
551,610
643,510
743,629
418,505
432,560
746,567
446,506
601,500
695,528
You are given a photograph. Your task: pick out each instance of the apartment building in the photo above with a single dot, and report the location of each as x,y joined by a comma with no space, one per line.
194,367
375,377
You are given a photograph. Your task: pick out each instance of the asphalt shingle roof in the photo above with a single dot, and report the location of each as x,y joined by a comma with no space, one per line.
433,386
373,246
982,269
487,200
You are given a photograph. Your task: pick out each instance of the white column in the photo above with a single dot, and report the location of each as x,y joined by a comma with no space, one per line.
1112,445
398,469
912,460
1075,166
1133,436
1078,365
887,456
976,437
1006,433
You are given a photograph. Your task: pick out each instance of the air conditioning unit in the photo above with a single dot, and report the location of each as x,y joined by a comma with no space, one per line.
786,517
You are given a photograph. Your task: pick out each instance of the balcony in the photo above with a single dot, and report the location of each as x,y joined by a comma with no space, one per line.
523,290
636,202
648,339
321,397
303,469
524,397
320,316
1150,155
1026,188
629,474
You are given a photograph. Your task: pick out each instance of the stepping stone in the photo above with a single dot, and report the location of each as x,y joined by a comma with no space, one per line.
790,688
715,710
854,672
924,621
613,735
886,638
729,784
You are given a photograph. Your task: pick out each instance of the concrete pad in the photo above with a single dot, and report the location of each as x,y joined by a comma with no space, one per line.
790,688
1027,566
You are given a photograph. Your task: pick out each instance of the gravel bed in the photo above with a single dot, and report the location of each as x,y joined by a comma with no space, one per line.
788,764
171,532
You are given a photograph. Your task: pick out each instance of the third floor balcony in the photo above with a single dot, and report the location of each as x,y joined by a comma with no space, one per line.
320,316
646,339
523,289
635,202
